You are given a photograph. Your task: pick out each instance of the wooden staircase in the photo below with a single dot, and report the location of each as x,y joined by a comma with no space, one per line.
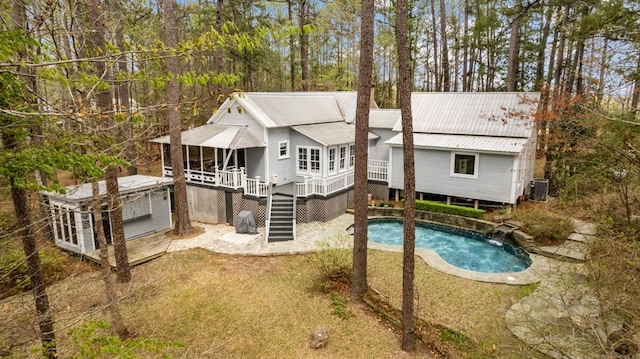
282,217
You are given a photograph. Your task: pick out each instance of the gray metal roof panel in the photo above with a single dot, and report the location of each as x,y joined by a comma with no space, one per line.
129,184
331,134
463,142
218,136
383,118
474,113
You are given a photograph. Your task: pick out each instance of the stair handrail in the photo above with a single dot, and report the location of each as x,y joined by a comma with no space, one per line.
267,220
295,202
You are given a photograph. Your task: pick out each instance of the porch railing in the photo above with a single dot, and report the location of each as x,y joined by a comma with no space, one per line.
324,186
253,187
378,170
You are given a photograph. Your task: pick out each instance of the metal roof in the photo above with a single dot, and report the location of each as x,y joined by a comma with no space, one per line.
331,134
463,142
383,118
218,136
282,109
474,113
129,184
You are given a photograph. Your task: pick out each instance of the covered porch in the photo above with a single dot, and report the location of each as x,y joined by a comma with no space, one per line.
216,155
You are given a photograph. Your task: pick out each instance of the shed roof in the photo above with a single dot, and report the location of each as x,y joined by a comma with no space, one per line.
463,142
126,185
331,134
218,136
282,109
383,118
502,114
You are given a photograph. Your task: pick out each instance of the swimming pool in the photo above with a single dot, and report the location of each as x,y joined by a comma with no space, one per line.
463,249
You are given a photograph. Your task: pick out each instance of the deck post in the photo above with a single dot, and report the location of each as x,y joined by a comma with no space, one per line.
476,203
421,196
448,200
397,195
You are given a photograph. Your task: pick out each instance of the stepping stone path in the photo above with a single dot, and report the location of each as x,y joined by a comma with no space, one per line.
561,318
575,248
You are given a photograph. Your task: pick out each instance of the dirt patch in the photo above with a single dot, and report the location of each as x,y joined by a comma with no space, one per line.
196,231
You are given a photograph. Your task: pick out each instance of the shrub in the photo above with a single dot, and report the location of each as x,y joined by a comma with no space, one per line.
334,262
544,226
449,209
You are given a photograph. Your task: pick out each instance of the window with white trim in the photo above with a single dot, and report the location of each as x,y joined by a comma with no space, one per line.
64,221
342,158
352,155
332,160
283,149
464,165
308,160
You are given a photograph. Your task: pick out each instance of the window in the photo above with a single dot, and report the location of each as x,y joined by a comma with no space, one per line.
352,155
64,220
332,160
308,160
464,165
283,149
342,159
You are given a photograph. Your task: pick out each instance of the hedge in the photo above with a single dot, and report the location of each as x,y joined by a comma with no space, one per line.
449,209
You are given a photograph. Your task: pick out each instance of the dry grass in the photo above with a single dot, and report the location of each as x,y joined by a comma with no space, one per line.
224,306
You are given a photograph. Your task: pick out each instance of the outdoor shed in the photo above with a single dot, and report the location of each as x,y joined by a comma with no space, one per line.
146,210
469,146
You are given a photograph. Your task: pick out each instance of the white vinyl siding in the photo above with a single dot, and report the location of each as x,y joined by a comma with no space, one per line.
433,175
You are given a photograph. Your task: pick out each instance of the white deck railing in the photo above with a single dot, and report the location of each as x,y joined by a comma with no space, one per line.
236,178
324,186
378,170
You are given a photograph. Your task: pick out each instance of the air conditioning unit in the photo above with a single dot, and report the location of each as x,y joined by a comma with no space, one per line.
539,190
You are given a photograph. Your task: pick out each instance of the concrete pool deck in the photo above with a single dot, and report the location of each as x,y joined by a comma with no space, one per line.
315,236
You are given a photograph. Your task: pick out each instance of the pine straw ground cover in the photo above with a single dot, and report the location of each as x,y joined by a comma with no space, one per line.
223,306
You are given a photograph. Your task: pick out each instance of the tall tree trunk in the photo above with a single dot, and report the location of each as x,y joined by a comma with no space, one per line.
560,66
635,97
183,222
408,260
114,309
434,36
304,44
123,105
465,49
220,88
446,75
603,68
542,48
514,48
105,106
292,46
365,83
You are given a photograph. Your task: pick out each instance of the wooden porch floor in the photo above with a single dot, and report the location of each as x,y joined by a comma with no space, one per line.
139,250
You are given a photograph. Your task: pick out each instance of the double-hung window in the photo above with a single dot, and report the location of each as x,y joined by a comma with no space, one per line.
342,158
308,160
332,160
352,155
283,149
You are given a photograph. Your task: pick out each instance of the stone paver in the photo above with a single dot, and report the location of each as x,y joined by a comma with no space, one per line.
561,318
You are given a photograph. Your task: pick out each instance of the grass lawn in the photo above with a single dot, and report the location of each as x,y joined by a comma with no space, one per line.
224,306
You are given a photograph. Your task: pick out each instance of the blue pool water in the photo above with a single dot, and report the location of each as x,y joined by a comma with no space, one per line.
463,249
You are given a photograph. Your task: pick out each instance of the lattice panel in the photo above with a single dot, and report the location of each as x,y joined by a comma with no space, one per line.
221,207
301,212
379,191
236,197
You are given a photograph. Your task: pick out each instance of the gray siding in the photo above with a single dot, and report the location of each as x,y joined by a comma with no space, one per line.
284,168
255,163
380,150
86,232
235,118
495,174
206,204
160,218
